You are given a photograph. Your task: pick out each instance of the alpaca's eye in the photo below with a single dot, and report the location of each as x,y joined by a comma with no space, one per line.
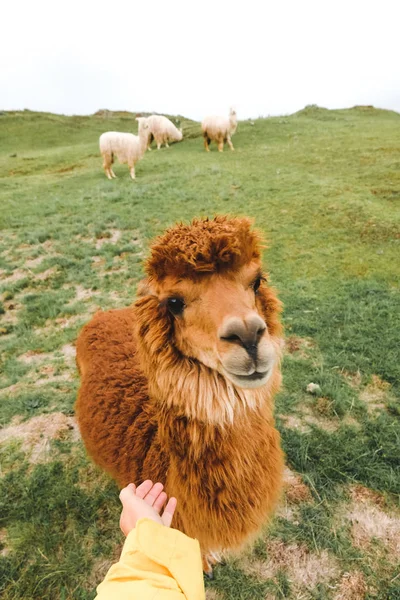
175,306
256,284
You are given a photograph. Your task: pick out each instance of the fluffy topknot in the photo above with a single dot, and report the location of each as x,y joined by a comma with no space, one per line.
204,246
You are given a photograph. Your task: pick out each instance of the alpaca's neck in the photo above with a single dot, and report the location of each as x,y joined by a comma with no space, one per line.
232,123
143,140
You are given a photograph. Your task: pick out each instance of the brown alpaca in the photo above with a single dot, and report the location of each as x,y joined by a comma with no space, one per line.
179,388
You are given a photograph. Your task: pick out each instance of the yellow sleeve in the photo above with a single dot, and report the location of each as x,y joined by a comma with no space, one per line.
156,563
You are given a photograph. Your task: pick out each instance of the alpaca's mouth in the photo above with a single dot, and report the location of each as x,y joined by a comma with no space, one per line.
254,380
253,377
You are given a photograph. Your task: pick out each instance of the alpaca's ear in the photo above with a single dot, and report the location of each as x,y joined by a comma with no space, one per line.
144,289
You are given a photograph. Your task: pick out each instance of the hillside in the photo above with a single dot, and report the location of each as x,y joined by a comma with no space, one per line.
324,187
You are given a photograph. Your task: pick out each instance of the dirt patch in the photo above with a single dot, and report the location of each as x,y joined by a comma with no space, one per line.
34,262
12,309
111,237
284,511
375,394
213,595
303,421
67,169
4,550
38,432
32,357
304,568
98,262
16,276
298,345
11,389
305,418
369,522
359,493
296,490
69,352
81,294
46,274
353,379
53,379
351,587
65,322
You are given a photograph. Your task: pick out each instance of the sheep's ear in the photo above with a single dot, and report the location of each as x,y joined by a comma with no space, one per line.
144,289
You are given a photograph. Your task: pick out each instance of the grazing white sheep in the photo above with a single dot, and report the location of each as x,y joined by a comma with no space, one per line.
128,148
219,130
162,130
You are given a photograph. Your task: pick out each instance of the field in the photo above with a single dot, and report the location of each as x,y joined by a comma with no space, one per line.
324,186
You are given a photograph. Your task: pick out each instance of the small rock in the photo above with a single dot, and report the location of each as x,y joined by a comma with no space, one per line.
313,388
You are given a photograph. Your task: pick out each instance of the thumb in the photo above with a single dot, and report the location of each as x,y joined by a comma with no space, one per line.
169,512
127,493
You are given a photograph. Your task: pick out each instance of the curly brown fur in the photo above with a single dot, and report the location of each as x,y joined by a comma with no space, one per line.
204,246
148,407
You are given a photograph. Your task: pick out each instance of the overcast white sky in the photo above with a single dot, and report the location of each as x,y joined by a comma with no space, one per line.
194,58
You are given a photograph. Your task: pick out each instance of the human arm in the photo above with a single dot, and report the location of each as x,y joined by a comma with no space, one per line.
156,562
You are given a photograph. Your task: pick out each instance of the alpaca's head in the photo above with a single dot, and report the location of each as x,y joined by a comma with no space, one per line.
232,120
211,302
143,125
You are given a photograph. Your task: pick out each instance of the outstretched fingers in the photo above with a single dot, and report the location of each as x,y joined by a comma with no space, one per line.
168,513
153,494
160,501
144,488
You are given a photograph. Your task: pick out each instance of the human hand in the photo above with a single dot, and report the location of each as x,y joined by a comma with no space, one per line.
146,500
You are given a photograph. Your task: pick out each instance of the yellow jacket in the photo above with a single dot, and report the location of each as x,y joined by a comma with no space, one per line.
156,563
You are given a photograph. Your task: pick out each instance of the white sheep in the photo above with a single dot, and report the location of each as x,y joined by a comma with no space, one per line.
219,130
162,130
128,148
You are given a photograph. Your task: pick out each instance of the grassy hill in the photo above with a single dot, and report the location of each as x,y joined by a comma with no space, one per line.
324,186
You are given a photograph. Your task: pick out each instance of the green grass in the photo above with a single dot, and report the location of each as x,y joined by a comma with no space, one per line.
324,187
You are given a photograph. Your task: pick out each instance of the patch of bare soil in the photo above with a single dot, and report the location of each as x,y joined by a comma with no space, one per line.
304,569
213,595
298,345
296,491
53,379
353,379
12,309
82,293
359,493
3,543
309,415
65,322
32,357
375,394
46,274
98,262
38,432
34,262
352,587
112,237
303,421
69,352
11,389
369,521
16,276
68,168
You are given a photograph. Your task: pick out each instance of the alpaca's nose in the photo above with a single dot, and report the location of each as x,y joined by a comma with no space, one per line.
245,332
